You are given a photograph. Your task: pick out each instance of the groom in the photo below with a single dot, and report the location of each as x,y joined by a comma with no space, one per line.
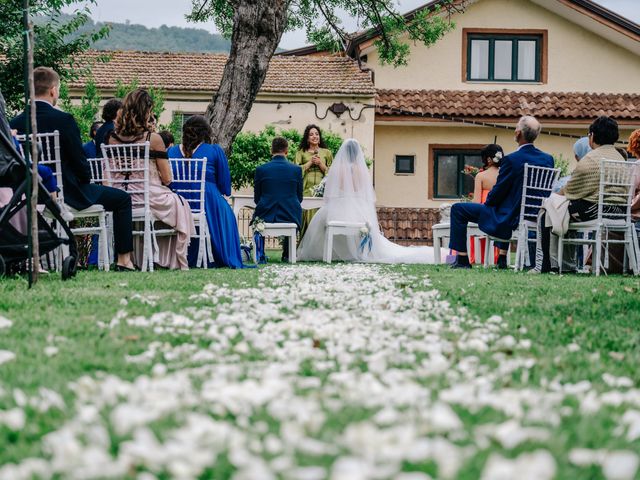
500,213
277,190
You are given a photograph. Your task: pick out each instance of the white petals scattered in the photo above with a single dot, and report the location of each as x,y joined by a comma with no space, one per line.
14,419
617,382
620,465
354,365
50,350
5,322
6,356
538,465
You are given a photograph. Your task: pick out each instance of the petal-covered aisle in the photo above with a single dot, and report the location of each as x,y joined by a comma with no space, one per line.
346,372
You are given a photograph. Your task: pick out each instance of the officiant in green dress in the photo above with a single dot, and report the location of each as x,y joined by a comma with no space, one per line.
315,160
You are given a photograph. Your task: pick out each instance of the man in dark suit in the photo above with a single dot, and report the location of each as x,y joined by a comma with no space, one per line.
277,189
500,214
79,193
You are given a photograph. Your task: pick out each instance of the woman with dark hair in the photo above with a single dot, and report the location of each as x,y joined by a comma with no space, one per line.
315,160
133,125
225,240
484,182
109,114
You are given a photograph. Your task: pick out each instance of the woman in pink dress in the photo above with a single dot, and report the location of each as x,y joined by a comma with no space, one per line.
484,182
133,125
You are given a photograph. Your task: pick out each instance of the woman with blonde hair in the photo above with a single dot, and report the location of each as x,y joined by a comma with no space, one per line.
134,125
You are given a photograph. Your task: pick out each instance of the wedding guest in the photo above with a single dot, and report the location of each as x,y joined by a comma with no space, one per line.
315,160
225,239
581,148
79,193
132,125
483,183
582,190
500,213
167,138
109,113
277,190
634,151
90,148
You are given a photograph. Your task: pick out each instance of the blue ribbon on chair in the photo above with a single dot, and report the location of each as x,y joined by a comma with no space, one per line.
365,242
258,241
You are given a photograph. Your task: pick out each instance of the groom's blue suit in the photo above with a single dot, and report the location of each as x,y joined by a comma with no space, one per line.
500,213
277,191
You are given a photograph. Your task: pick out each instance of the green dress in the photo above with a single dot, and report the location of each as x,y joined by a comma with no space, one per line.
312,177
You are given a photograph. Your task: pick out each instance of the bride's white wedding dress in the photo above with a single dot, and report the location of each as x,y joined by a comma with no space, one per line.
349,197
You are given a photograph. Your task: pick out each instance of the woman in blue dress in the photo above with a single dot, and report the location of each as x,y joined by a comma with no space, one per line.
225,239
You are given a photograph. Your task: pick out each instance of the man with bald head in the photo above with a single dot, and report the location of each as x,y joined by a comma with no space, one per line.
500,214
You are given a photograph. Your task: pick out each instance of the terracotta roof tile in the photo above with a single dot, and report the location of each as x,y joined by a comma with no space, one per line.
508,104
203,72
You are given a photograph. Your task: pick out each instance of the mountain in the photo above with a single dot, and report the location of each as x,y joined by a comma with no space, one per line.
129,36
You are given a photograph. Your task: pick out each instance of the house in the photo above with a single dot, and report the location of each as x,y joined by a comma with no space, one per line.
330,91
564,61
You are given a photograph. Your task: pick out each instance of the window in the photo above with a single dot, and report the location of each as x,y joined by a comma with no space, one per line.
405,164
448,179
493,57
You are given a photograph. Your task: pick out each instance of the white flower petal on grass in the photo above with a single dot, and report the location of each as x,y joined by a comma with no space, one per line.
510,434
351,468
443,418
631,420
573,347
14,418
584,457
6,356
5,322
617,382
50,350
538,465
620,465
412,476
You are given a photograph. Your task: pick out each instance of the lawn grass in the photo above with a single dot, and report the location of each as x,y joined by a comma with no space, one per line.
599,315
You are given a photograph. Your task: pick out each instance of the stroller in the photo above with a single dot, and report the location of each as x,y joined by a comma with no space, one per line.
13,243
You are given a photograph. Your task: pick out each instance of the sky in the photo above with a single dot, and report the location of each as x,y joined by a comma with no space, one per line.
154,13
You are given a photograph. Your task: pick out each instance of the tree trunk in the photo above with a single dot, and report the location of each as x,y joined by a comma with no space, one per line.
257,29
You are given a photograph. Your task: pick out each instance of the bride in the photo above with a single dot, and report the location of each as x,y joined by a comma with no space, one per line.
349,197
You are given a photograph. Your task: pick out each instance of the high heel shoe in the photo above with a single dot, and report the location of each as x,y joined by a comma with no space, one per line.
122,268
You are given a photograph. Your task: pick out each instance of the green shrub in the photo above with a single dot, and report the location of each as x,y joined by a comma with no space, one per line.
85,113
253,149
562,163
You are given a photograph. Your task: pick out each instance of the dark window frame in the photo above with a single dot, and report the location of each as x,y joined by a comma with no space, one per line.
514,38
412,157
460,153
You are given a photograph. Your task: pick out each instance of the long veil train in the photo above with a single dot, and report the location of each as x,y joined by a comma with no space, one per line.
349,197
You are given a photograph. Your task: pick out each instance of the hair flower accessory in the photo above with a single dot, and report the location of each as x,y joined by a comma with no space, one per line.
497,157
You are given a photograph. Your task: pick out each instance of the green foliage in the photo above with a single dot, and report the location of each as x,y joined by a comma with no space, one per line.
251,150
85,113
559,161
322,21
57,44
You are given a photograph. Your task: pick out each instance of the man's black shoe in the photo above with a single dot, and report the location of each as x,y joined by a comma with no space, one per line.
501,263
461,264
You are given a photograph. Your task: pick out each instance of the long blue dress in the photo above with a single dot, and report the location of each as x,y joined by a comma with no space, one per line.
223,227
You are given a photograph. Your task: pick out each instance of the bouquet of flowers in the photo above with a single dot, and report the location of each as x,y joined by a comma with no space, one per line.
471,171
258,227
365,239
318,190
